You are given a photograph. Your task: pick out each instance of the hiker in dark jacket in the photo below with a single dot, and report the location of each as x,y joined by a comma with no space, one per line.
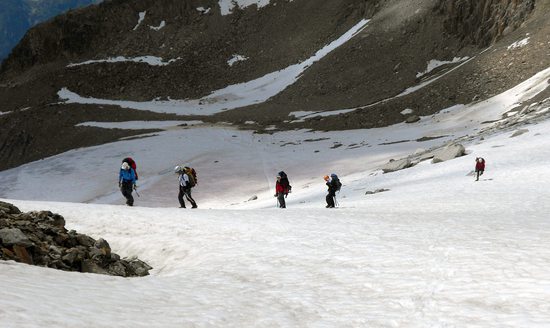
480,167
332,188
127,182
280,192
184,187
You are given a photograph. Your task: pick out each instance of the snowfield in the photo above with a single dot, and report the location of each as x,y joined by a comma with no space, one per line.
437,249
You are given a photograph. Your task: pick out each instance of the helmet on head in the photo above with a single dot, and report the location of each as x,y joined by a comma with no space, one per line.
177,169
125,166
326,177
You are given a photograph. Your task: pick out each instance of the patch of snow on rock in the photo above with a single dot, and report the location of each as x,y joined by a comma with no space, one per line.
140,20
158,28
433,64
150,60
226,6
519,44
203,10
236,58
407,111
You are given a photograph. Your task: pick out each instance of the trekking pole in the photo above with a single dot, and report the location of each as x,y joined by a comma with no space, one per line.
336,201
135,189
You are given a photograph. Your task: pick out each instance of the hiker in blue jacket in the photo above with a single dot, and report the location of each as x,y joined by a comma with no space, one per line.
127,182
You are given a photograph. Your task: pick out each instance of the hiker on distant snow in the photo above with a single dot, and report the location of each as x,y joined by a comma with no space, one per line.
127,182
282,188
187,180
480,167
334,185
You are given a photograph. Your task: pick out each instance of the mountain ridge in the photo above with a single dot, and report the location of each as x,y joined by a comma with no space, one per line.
372,74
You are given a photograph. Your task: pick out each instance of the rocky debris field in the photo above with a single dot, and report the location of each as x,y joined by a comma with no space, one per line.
40,238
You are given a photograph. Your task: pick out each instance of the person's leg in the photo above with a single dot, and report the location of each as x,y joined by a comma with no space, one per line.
477,175
180,197
281,198
330,200
127,192
189,198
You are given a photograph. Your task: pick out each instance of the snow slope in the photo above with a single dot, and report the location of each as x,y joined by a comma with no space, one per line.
436,250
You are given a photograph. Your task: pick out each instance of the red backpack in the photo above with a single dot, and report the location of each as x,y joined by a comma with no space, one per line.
132,164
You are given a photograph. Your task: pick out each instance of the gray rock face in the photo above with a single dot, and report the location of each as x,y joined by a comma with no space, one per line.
40,238
396,165
447,153
12,237
8,208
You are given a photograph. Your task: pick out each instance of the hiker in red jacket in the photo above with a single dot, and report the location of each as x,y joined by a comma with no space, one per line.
281,189
480,167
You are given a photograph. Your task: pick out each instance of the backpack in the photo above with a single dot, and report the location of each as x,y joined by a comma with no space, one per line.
192,174
336,181
284,182
132,164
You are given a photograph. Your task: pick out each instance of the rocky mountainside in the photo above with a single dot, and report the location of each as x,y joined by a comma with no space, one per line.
382,72
17,16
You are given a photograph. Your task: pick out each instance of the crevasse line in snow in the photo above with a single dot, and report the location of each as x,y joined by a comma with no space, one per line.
233,96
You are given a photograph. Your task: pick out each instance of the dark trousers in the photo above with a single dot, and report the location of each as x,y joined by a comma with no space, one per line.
281,199
330,198
126,190
478,173
187,192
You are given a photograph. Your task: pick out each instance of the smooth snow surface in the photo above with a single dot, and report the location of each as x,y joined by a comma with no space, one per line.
233,96
436,250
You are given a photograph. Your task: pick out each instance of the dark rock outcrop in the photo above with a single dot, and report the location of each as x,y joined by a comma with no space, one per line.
481,22
40,238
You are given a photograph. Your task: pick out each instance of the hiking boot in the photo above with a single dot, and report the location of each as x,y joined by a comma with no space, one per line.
194,206
182,207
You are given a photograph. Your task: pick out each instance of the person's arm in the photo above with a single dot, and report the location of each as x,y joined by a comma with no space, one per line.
184,180
133,175
119,177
